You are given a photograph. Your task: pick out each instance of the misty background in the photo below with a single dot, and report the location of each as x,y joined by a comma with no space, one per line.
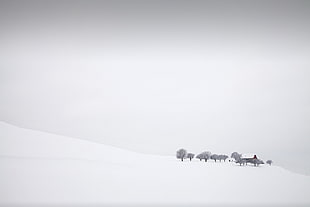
155,76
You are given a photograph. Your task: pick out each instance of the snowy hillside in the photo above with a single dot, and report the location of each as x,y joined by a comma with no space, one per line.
46,169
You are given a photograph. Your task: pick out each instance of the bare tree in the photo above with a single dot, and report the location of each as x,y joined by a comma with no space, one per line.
222,157
181,154
225,157
214,157
190,156
269,162
200,156
236,156
204,156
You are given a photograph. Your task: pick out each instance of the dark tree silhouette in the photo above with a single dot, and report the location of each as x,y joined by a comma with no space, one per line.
206,155
200,156
181,154
269,162
190,156
236,156
215,157
222,157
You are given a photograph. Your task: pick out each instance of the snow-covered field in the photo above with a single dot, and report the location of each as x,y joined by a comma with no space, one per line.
40,169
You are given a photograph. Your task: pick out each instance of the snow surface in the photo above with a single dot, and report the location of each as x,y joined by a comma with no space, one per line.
38,168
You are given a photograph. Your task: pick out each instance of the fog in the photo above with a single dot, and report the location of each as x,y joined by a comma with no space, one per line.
154,76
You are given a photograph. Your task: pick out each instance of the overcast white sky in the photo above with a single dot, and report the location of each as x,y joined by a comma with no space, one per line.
154,76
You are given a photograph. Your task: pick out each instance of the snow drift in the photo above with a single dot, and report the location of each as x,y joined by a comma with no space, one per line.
39,168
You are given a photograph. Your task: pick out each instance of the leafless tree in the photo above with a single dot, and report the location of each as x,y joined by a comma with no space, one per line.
190,156
222,157
214,157
181,154
236,156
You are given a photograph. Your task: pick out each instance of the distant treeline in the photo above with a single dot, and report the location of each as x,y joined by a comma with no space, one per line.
206,155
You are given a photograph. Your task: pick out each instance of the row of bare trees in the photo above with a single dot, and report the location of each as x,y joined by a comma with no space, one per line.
183,154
